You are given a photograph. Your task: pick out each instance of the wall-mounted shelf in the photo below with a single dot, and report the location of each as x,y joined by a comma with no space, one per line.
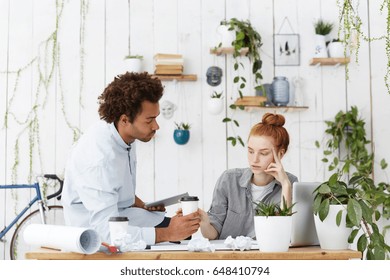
317,61
230,50
274,109
176,77
252,103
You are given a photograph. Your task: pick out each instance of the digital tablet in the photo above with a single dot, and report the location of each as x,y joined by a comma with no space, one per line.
167,201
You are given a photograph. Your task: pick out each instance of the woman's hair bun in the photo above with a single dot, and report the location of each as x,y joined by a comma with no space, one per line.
273,119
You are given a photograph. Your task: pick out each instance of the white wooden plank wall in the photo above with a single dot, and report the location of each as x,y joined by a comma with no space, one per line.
91,47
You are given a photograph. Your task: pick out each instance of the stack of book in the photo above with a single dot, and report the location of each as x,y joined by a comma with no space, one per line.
168,64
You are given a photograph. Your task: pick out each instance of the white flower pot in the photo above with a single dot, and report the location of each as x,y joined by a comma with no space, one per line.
320,46
215,105
336,49
273,234
227,36
133,64
331,236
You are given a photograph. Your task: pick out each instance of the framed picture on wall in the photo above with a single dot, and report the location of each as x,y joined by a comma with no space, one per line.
286,50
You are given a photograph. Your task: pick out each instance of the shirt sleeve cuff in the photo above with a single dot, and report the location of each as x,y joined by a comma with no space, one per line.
149,235
215,224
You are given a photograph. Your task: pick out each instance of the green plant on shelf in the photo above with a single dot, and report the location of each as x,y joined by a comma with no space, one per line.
182,126
133,57
322,27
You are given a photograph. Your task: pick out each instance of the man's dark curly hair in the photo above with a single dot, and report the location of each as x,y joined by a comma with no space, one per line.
125,95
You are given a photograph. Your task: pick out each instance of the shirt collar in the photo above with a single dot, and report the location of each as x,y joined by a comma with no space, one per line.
246,178
117,138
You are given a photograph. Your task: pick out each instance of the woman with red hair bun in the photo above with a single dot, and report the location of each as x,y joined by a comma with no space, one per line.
237,190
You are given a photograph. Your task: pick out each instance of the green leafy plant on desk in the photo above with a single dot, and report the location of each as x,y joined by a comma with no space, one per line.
272,219
346,154
273,209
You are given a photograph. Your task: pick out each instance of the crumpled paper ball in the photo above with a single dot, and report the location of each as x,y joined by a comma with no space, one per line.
240,242
125,243
200,245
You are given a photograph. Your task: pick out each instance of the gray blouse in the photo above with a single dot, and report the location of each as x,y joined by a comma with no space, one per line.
231,211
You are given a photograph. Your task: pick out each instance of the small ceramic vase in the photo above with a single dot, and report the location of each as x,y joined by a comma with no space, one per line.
181,136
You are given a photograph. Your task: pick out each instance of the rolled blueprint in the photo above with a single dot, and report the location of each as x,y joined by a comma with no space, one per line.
67,238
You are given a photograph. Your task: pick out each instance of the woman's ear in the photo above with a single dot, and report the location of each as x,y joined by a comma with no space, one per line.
281,153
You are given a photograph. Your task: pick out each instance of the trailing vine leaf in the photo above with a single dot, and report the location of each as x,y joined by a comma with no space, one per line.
233,140
240,140
352,236
324,209
362,243
226,120
354,212
338,217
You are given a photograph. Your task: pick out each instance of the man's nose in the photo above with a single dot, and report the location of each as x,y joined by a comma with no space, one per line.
156,126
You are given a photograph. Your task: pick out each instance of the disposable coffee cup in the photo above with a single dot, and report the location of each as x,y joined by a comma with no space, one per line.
189,204
118,228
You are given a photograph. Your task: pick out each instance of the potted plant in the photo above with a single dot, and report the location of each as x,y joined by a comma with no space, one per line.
133,63
215,103
181,134
346,153
246,37
322,29
227,34
336,49
356,214
273,226
330,209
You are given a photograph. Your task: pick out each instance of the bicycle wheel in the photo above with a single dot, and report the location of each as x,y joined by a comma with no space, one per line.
54,216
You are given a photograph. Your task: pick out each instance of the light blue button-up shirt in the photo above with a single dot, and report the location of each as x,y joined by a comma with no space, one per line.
100,179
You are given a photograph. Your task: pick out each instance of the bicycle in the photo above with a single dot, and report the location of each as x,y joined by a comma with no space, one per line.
45,214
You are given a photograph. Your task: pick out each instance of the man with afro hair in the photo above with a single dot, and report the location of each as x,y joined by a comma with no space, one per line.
100,176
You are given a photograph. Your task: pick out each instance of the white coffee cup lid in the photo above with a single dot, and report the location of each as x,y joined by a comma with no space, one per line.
118,219
189,198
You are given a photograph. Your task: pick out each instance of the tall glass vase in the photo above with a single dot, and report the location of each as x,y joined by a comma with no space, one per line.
280,91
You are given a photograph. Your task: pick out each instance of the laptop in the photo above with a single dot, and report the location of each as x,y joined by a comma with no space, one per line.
303,231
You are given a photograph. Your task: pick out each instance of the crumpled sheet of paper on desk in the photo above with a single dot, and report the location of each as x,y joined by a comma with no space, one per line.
240,242
200,244
125,243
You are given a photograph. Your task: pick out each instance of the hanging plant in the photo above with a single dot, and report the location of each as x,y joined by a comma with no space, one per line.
181,134
246,37
350,29
133,63
47,64
215,103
